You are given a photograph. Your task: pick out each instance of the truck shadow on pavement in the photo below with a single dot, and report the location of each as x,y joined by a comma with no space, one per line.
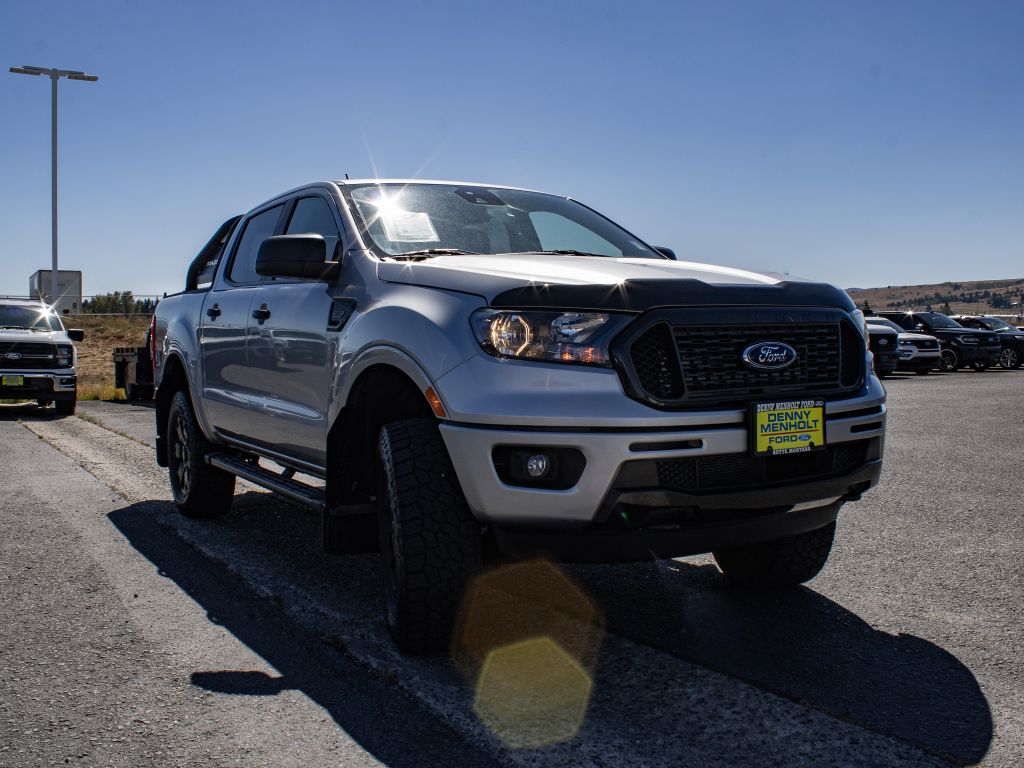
383,720
799,645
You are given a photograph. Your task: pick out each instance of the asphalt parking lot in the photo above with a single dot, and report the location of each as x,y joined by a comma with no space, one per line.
139,637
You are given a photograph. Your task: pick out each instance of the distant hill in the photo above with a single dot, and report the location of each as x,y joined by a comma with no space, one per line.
975,297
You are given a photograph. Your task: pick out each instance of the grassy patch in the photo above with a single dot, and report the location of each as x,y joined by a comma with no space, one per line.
102,334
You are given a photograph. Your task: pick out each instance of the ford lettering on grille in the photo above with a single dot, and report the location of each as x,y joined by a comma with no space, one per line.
13,355
769,355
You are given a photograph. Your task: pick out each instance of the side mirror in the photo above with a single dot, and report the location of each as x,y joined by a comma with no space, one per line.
302,256
76,334
666,252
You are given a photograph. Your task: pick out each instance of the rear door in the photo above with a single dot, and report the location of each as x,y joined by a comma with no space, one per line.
227,390
289,347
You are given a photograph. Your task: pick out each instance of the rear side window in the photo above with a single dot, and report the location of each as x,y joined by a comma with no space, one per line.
313,216
257,229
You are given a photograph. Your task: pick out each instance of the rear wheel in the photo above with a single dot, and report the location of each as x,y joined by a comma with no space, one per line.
1009,358
430,543
781,563
199,489
949,361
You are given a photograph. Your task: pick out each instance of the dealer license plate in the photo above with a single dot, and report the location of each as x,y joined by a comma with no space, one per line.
792,426
13,381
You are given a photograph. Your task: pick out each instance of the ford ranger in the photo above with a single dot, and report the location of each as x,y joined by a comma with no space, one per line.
469,370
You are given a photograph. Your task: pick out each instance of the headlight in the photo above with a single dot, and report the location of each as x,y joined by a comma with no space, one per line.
1019,338
65,355
552,337
968,339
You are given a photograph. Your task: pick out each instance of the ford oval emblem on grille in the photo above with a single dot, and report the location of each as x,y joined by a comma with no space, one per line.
769,355
12,355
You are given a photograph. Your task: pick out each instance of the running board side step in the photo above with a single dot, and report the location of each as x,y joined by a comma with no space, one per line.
264,478
346,529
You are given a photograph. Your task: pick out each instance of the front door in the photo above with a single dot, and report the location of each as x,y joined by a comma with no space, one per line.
291,351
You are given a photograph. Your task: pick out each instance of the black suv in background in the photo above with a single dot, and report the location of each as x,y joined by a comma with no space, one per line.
960,346
1012,354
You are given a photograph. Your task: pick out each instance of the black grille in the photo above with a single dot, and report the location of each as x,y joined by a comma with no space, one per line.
711,357
875,342
925,343
657,363
27,355
737,472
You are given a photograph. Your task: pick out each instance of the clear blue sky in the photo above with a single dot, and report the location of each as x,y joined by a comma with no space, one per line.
862,143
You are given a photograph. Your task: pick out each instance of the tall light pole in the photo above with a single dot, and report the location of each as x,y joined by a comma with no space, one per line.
54,75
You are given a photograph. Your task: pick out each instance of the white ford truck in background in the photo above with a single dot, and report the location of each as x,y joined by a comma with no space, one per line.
468,368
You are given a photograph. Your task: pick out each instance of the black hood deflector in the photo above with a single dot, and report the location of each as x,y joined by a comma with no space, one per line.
642,295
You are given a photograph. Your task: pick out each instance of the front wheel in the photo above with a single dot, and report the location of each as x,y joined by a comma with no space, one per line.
780,563
430,543
949,361
1009,359
199,489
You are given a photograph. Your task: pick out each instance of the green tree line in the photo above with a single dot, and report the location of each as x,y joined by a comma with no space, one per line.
118,302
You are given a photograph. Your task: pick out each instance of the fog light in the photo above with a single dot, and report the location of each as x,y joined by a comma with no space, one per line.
538,465
535,466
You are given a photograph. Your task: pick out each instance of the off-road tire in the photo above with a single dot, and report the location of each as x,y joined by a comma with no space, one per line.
949,361
430,543
200,491
781,563
1009,359
66,407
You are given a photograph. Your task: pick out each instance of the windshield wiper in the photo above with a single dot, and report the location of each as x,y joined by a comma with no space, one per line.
426,253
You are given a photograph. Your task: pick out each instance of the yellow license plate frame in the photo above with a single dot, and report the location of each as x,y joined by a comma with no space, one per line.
12,381
788,426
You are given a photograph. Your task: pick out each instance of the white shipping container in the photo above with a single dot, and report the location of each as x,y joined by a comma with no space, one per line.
69,289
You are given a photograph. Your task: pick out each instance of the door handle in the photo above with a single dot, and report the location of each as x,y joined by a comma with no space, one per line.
261,314
213,312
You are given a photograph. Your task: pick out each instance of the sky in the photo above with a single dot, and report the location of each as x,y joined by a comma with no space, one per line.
864,143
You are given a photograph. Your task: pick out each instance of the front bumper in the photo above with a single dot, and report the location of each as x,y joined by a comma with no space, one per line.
915,359
979,353
607,448
886,362
39,385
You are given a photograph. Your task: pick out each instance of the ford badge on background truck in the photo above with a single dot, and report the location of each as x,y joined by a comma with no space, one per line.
471,368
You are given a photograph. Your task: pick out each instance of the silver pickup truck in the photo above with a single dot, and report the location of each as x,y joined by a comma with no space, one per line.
464,369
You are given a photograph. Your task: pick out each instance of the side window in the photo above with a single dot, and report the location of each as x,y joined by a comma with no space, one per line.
257,229
556,232
313,216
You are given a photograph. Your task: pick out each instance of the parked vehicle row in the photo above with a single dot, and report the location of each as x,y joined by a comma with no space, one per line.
976,341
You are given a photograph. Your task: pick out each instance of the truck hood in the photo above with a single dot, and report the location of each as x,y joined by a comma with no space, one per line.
580,282
8,335
907,336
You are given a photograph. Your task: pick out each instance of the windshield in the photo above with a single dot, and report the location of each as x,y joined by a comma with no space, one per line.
434,219
32,318
999,326
886,323
939,320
